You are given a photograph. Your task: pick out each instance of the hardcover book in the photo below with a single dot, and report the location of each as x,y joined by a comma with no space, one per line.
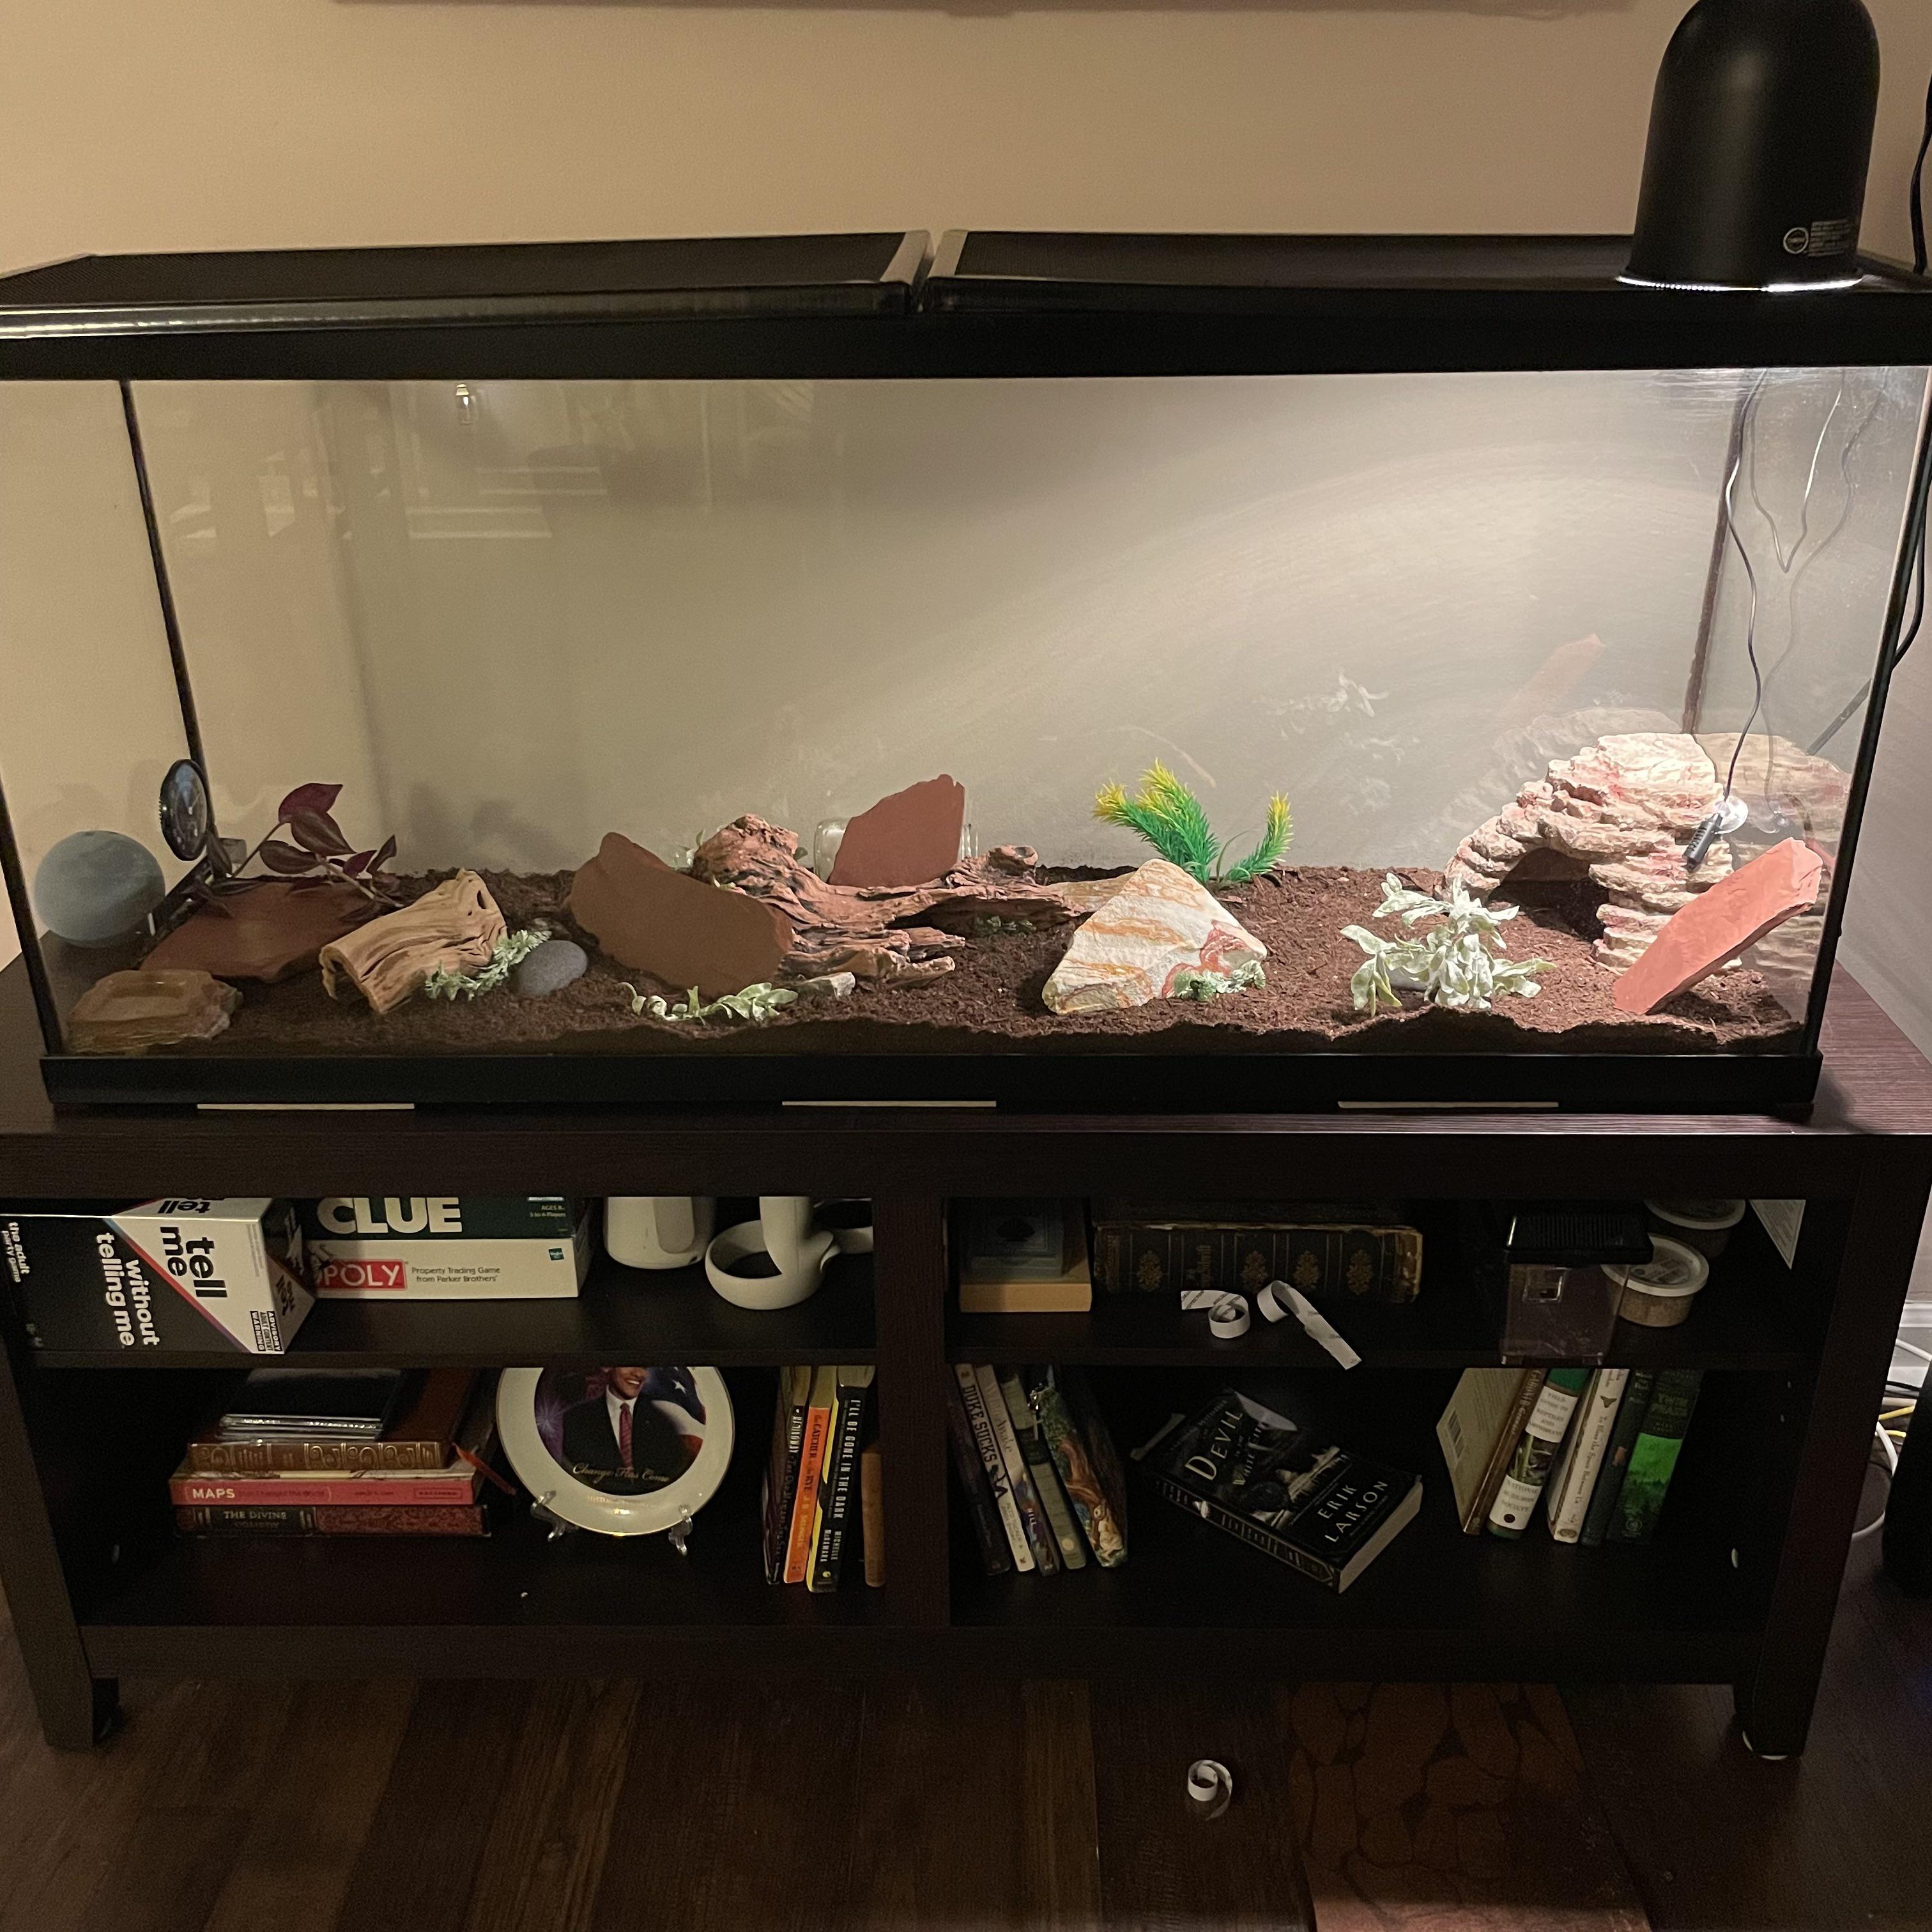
341,1519
1536,1450
428,1418
1609,1483
1320,1509
1349,1251
1653,1457
1083,1459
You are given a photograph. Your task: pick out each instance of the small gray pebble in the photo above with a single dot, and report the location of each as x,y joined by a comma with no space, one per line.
549,969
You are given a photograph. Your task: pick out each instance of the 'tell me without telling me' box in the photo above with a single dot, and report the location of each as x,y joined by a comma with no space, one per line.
183,1273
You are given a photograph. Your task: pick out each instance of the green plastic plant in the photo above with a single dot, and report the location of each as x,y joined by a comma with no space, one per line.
1198,983
1462,964
1168,815
512,950
756,1004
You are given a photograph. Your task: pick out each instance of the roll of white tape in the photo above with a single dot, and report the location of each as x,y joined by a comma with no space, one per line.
1228,1318
1210,1787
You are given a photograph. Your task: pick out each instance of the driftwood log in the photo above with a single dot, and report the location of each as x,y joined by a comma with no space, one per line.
903,934
453,927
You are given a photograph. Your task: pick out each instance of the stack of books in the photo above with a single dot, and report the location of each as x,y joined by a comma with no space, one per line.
821,1490
1024,1258
363,1452
1593,1450
1042,1480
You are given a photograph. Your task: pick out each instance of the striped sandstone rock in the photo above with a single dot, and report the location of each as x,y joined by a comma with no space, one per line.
1159,922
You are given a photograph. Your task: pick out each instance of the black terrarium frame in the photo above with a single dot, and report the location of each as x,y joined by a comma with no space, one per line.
860,307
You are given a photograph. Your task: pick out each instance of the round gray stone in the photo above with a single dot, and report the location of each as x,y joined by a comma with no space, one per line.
95,888
549,969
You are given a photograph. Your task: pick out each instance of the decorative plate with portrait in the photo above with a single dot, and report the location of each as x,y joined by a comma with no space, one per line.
622,1451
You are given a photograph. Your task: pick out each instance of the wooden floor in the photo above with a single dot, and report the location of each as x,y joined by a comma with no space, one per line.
467,1807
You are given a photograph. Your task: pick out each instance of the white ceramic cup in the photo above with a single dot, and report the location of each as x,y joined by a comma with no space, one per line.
798,1248
658,1231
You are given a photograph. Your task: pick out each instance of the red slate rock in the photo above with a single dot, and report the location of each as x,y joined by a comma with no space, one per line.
905,840
683,930
272,930
1719,924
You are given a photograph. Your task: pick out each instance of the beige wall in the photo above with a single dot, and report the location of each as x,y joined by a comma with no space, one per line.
251,123
255,123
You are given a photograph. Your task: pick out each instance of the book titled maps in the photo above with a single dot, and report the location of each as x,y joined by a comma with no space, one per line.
1365,1253
1322,1510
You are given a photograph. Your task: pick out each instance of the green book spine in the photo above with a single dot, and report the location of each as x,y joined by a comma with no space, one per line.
1653,1455
1616,1457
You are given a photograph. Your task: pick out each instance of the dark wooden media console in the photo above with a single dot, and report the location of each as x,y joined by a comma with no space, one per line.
1739,1587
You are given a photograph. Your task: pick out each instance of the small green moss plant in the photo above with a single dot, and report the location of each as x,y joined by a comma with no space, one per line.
1168,815
992,927
1462,964
510,951
756,1004
1198,983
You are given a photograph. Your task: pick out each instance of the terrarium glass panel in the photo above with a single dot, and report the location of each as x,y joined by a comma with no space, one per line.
1199,715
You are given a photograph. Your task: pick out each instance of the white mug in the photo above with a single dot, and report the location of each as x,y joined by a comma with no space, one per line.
658,1231
798,1250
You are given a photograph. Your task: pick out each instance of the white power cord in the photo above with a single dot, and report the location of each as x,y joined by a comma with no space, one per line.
1884,1440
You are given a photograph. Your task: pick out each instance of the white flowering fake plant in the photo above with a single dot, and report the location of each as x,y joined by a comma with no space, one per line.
1463,963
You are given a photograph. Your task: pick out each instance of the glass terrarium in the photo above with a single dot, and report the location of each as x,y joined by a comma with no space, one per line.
1079,671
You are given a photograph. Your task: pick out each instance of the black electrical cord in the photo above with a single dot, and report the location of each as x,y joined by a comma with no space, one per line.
1919,192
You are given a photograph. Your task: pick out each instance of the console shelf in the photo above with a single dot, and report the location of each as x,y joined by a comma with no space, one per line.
1740,1588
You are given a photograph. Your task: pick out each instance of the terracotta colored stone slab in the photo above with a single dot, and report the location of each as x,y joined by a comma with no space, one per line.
683,930
906,839
272,930
1717,925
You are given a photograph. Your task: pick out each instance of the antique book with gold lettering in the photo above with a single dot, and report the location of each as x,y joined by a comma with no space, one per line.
1364,1251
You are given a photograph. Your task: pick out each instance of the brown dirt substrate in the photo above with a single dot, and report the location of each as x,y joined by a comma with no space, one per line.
991,1003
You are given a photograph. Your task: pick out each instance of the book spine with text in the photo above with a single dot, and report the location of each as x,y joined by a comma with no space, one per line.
1536,1451
995,1468
1476,1517
811,1463
994,1557
839,1496
341,1519
1041,1473
399,1490
1589,1441
781,1486
242,1459
1373,1264
1653,1455
1038,1532
1609,1483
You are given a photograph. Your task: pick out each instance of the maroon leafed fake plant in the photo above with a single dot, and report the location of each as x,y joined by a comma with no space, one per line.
315,853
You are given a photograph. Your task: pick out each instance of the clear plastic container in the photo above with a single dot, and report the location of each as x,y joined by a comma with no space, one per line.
1705,1225
1661,1292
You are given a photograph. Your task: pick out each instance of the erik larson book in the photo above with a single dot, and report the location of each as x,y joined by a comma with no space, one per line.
1255,1474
